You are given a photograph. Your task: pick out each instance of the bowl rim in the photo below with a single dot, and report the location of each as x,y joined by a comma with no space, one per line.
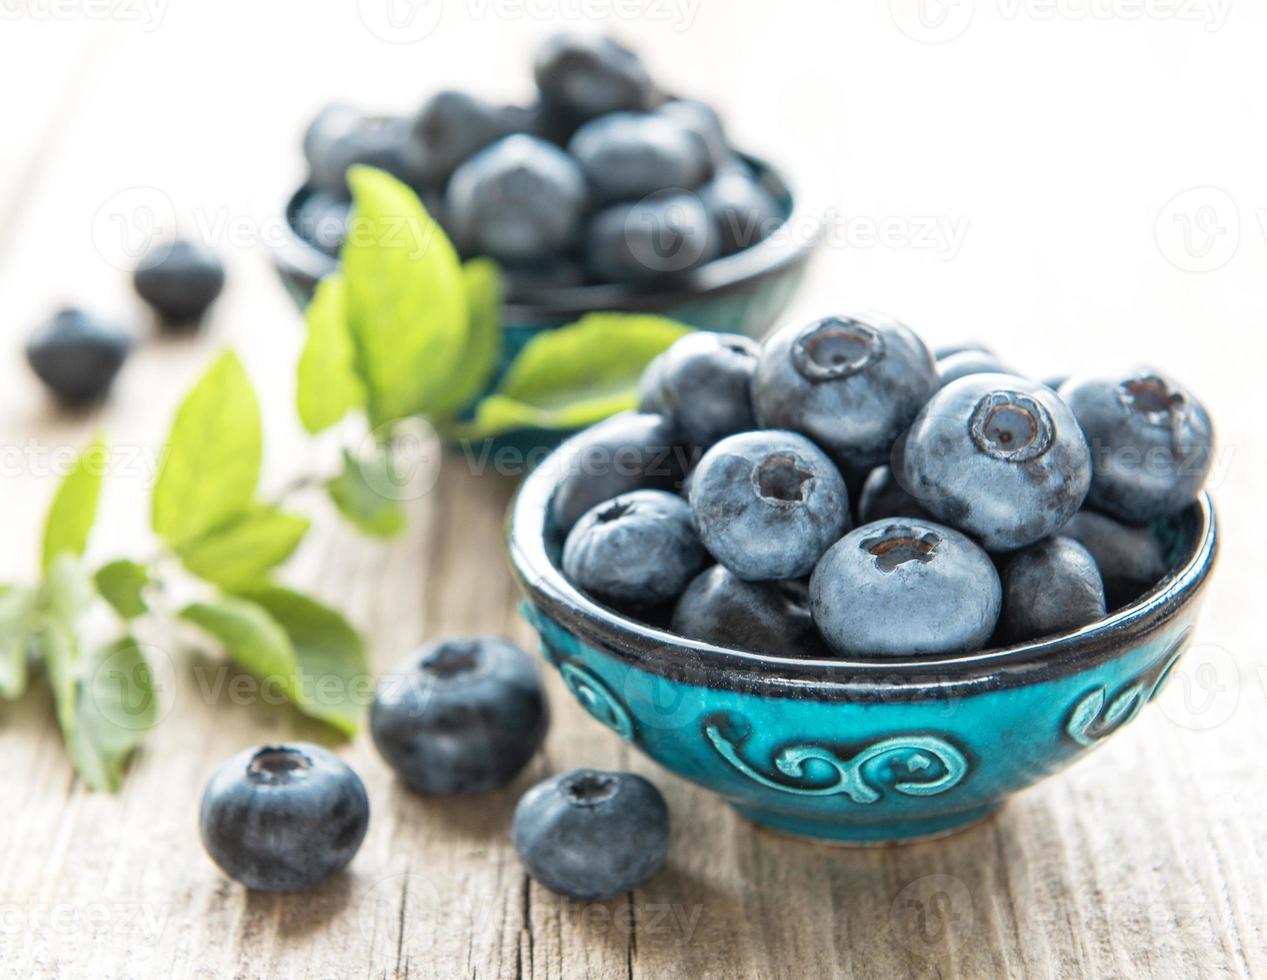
678,657
789,244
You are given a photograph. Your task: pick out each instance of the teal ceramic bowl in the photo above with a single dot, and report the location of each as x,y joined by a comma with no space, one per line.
866,751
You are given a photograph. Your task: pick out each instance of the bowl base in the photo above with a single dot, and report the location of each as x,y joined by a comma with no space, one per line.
865,834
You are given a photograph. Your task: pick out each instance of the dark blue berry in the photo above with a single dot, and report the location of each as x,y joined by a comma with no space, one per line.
78,355
374,141
720,608
704,386
1151,440
634,551
452,126
659,237
519,200
882,496
952,367
282,818
587,75
1050,587
1130,559
998,457
590,834
905,588
768,504
460,715
703,120
850,383
332,123
629,155
322,219
743,211
180,280
527,279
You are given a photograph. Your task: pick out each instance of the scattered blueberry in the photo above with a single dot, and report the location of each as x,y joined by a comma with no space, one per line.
998,457
283,818
768,504
743,211
962,363
904,588
1050,587
850,383
77,356
1130,559
1151,440
720,608
636,550
704,386
460,715
180,280
882,496
452,126
629,155
588,75
659,237
519,200
590,834
629,451
701,119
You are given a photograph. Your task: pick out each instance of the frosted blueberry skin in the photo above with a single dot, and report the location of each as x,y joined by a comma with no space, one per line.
882,496
703,385
720,608
77,356
1050,587
283,818
904,588
703,120
656,238
962,363
1130,559
743,211
519,200
635,551
850,383
768,504
629,155
998,457
384,142
180,280
1151,440
461,715
452,126
590,834
584,75
629,451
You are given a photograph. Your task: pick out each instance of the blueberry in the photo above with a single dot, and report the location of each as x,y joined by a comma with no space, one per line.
627,155
629,451
1050,587
525,279
649,397
965,346
720,608
590,834
519,200
1151,440
383,142
636,550
768,504
704,386
587,75
282,818
452,126
850,383
332,123
998,457
882,496
743,211
322,219
460,715
180,280
1130,559
902,588
703,120
77,355
659,237
952,367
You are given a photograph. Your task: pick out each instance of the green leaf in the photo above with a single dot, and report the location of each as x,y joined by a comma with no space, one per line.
74,508
332,666
67,592
122,583
576,375
354,495
483,283
328,385
212,461
242,551
406,299
17,609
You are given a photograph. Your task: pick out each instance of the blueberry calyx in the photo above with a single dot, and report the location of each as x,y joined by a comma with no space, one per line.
616,511
1151,397
586,788
278,764
452,659
1012,427
899,543
836,348
781,479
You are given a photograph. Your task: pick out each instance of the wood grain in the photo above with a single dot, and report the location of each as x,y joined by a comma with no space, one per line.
1053,147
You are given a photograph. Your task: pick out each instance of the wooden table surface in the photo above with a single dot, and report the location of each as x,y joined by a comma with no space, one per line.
1074,183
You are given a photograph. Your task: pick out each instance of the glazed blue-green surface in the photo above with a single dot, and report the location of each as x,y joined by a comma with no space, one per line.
876,770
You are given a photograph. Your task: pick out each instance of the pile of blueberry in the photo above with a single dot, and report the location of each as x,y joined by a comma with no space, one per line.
603,179
462,715
841,490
